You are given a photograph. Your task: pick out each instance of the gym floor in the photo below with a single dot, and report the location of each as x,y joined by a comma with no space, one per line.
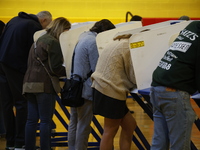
143,121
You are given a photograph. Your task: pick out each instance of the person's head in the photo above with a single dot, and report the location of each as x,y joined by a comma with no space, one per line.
102,25
2,25
57,26
184,18
45,18
136,18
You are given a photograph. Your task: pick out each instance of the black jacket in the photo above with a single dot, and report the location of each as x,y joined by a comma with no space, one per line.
17,39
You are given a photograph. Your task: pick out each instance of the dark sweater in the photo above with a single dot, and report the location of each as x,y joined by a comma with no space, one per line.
180,66
17,39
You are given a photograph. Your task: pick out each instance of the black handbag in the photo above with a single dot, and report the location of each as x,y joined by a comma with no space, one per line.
71,93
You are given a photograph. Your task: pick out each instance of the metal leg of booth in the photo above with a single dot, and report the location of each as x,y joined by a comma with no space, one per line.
59,139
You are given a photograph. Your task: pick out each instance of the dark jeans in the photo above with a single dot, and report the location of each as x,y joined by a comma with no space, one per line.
11,94
2,126
41,107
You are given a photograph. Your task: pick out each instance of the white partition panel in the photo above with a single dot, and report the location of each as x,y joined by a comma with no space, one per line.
38,34
127,23
78,25
107,36
149,27
68,41
147,48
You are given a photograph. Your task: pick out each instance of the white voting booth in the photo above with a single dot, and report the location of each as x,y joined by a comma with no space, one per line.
68,41
147,48
107,36
149,27
128,23
38,34
78,25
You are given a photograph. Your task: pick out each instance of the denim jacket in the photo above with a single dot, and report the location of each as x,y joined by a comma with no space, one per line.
85,60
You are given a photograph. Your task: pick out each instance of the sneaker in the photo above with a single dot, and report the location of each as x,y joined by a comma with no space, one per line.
20,148
9,148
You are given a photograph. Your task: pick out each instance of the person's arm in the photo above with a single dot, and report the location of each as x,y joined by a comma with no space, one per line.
55,59
129,66
197,68
93,55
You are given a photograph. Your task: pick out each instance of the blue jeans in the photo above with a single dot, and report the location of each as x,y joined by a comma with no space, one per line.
79,126
40,106
173,119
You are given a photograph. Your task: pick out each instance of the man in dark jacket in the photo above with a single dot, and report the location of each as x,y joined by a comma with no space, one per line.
15,44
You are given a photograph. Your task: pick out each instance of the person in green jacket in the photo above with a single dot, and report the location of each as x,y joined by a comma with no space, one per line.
37,85
174,80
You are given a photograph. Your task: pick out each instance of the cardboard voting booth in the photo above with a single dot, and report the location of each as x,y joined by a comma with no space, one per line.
38,34
147,48
68,41
149,27
106,37
78,25
128,23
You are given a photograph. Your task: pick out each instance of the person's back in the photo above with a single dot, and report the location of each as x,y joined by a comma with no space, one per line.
2,126
180,66
112,81
2,25
174,80
17,40
15,44
85,59
108,77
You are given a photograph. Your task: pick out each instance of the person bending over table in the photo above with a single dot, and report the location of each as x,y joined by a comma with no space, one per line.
113,79
174,80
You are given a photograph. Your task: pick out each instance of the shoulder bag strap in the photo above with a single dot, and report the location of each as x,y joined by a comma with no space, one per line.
38,58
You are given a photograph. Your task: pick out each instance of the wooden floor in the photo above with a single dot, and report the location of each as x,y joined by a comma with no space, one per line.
143,121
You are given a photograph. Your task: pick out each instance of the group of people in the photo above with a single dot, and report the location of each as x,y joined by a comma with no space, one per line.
27,94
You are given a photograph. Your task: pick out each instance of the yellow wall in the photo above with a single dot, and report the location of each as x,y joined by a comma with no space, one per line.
93,10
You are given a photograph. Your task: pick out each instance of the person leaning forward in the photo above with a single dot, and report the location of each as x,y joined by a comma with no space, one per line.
15,44
174,80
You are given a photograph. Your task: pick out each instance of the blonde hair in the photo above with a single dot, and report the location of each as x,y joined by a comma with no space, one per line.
125,36
57,26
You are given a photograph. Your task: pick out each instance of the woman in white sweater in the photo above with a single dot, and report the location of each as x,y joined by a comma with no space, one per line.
113,79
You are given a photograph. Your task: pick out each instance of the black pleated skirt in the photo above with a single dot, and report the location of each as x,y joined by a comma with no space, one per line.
108,107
